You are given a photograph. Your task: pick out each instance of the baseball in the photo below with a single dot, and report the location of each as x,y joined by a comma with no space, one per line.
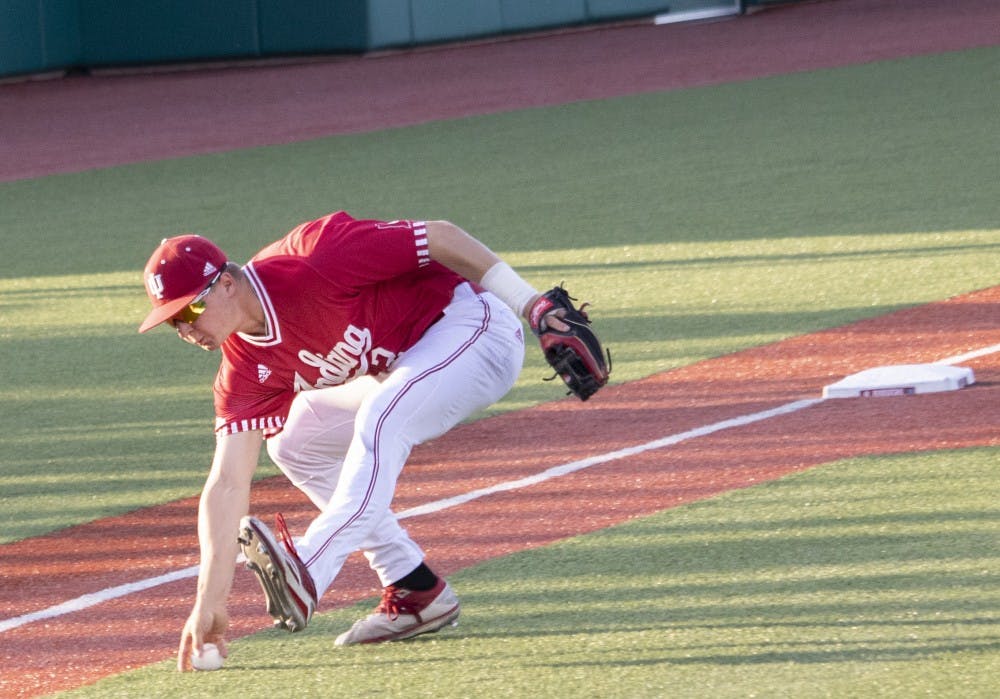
209,659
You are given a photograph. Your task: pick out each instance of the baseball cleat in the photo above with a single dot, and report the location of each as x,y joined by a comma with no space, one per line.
284,578
403,614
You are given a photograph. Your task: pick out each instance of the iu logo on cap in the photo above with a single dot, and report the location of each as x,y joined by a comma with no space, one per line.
154,282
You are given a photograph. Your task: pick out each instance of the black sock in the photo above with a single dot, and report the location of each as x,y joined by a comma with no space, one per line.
419,579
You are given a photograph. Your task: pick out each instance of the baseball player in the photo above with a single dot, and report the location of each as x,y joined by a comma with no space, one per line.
344,344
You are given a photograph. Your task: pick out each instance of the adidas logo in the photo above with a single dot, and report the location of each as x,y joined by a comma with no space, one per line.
262,373
209,270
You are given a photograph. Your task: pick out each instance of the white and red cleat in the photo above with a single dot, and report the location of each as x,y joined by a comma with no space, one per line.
287,585
403,614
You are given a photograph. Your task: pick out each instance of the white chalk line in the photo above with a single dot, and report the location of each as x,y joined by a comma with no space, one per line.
974,354
108,594
95,598
572,466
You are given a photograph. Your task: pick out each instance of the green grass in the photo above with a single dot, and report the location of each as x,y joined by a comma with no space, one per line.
874,577
698,222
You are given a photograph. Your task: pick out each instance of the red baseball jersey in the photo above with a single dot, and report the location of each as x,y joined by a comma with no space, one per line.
342,298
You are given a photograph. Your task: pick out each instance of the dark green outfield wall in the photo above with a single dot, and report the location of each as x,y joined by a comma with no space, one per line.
47,35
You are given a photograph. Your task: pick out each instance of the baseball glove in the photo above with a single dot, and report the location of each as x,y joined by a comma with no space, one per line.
575,354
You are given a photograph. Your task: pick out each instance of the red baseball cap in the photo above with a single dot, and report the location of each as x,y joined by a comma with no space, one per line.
177,271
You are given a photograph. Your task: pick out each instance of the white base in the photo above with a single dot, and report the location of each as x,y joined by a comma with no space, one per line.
901,380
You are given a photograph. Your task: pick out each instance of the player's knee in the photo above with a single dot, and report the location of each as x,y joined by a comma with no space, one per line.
278,450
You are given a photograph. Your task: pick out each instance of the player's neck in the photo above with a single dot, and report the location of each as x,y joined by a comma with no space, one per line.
255,323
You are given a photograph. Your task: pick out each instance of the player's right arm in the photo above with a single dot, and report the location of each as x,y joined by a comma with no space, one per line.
224,500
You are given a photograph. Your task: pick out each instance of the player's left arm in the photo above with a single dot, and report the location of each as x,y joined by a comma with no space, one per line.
569,344
459,251
469,257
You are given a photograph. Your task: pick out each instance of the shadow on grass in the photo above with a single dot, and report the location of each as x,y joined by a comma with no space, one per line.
898,563
854,653
756,260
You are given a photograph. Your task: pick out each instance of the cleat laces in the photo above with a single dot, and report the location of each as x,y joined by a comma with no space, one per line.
284,536
394,603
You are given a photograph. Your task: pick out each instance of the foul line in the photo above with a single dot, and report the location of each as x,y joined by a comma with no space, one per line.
106,595
974,354
95,598
564,469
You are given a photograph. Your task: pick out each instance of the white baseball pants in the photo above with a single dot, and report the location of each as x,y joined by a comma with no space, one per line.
345,446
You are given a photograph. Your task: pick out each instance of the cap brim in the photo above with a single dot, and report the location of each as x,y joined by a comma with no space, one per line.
165,312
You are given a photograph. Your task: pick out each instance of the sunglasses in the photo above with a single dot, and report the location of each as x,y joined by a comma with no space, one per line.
190,313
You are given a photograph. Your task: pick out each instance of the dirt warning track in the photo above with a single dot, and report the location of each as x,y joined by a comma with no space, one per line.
102,120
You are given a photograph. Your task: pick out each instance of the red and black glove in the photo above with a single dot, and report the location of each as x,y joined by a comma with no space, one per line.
576,353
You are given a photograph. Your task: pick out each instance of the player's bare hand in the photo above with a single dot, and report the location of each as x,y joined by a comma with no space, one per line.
552,319
203,626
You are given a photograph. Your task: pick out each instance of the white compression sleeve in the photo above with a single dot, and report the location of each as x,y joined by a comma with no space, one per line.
507,285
